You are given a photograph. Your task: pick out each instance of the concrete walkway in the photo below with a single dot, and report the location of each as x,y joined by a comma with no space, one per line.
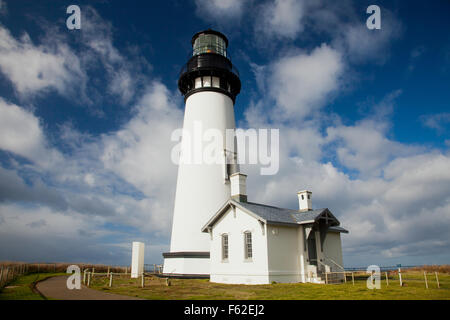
56,288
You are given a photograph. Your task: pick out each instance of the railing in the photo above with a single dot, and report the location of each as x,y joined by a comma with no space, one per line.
196,64
335,263
153,268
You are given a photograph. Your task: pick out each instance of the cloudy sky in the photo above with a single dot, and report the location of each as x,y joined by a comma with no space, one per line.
86,118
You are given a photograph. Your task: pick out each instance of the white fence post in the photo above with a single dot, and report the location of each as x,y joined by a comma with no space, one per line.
387,279
437,279
400,277
426,281
110,279
89,279
84,276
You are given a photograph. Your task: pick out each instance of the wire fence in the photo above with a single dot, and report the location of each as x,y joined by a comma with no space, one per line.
9,271
415,277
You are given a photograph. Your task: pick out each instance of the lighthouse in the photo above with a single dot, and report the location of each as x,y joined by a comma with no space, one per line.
210,84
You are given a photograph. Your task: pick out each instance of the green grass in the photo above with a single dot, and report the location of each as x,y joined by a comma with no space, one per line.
21,288
181,289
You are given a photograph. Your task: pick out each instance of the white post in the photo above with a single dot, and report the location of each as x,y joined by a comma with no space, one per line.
89,279
137,259
400,277
345,277
426,281
110,279
326,277
84,276
142,280
387,279
437,279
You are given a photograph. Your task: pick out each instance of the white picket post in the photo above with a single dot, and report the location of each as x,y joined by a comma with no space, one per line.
437,279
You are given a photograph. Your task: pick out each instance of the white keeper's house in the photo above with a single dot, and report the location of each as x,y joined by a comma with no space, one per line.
254,243
216,232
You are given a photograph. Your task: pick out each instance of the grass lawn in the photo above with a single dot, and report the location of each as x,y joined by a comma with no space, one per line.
21,288
181,289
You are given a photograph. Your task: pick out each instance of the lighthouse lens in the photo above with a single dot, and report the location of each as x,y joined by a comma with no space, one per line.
210,43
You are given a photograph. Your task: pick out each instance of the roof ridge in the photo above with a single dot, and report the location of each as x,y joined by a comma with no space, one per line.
297,211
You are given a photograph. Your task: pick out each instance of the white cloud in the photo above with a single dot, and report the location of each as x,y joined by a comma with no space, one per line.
302,83
365,148
33,68
438,121
123,75
221,11
21,133
280,18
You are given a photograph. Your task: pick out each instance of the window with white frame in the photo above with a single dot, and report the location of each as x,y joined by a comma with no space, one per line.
224,247
248,245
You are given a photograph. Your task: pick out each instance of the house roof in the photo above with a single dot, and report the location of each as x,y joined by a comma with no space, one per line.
274,215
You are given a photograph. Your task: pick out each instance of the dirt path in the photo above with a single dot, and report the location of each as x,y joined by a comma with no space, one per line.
56,288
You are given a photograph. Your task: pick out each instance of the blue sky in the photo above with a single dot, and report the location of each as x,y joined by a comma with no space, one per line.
86,117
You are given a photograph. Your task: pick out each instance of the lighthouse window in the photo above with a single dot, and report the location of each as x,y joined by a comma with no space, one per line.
207,81
224,247
216,82
248,245
209,43
198,82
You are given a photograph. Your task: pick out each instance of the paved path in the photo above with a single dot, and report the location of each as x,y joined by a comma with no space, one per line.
56,288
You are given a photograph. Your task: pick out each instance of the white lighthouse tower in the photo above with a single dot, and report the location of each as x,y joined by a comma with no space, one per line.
210,84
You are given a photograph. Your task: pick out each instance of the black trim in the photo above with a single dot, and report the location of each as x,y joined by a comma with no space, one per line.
210,64
187,254
183,276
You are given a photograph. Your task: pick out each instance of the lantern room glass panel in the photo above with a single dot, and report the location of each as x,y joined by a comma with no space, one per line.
210,43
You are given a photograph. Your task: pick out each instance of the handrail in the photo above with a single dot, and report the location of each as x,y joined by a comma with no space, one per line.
337,264
323,264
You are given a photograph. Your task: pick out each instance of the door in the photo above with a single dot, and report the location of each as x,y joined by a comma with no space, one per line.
312,252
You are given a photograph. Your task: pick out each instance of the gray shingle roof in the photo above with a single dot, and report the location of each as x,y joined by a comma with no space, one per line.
281,215
273,215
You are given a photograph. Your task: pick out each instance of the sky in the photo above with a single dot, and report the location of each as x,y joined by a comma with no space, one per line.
86,118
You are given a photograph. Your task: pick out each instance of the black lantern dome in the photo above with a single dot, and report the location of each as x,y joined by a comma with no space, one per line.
210,67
